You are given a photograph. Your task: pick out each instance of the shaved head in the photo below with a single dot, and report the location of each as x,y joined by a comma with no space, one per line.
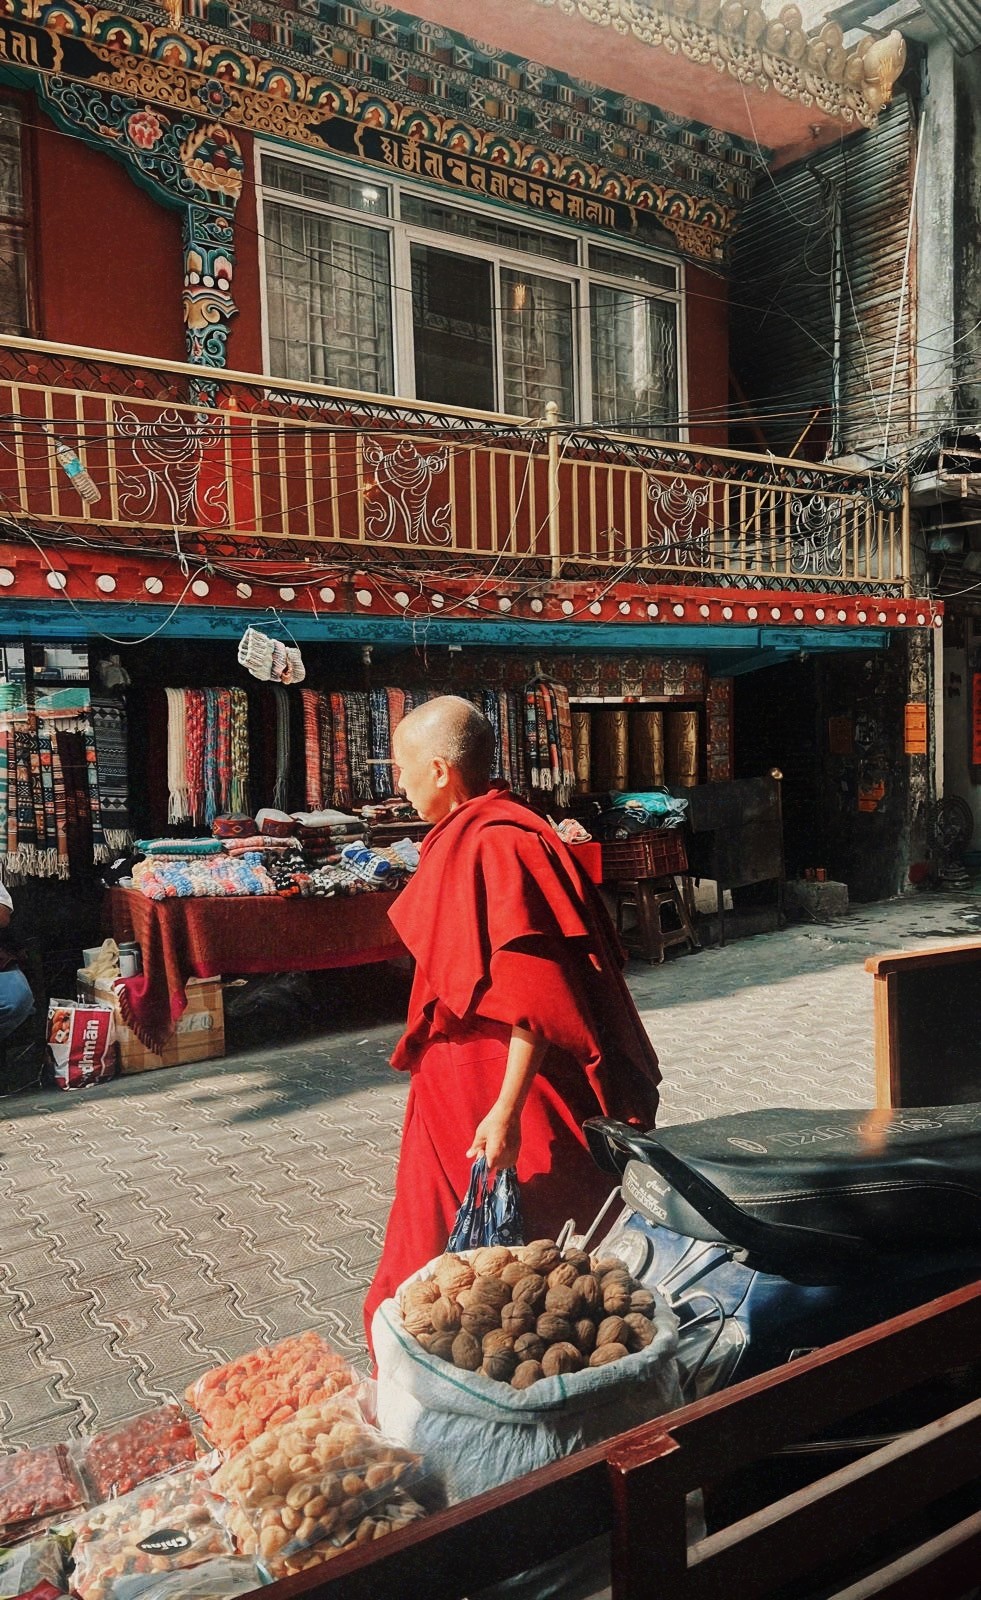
451,729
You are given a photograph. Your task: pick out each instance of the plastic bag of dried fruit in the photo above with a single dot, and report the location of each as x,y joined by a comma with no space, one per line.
38,1568
494,1362
239,1401
164,1526
116,1460
396,1512
312,1478
36,1486
221,1579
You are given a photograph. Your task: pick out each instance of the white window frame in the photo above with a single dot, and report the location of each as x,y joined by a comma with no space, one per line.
402,235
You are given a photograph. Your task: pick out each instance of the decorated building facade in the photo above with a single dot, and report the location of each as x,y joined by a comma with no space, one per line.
415,347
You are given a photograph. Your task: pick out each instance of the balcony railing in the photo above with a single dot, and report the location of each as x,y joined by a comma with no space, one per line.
251,460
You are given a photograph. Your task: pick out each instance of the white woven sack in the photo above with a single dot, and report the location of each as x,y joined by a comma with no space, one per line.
476,1434
255,653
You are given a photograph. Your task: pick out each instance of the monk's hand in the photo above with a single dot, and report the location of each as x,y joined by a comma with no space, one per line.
498,1139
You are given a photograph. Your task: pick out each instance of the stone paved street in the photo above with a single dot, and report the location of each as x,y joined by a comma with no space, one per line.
162,1223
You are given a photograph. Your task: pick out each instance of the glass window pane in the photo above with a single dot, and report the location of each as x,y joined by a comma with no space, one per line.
452,325
490,229
328,301
11,165
641,269
537,344
334,189
13,279
635,359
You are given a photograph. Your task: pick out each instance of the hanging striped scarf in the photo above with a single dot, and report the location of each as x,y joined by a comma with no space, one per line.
100,849
223,750
178,808
311,749
238,787
195,717
342,767
358,708
567,756
281,782
381,746
396,708
109,730
325,734
490,706
210,755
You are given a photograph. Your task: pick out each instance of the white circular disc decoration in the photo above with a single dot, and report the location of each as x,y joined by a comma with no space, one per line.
287,594
798,614
727,613
652,609
567,608
843,616
504,604
106,582
863,616
200,588
624,608
775,613
328,596
819,613
155,585
920,618
752,613
363,597
6,577
678,610
57,580
244,591
703,611
595,608
538,606
938,622
438,602
401,598
902,617
883,617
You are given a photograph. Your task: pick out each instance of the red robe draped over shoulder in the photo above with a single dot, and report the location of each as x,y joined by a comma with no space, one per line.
507,931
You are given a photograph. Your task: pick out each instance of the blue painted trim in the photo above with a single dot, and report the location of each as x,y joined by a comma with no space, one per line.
58,620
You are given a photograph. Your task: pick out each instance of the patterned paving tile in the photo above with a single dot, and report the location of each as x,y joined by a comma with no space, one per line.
157,1225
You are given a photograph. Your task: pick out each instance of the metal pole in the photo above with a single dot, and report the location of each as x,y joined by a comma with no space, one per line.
554,549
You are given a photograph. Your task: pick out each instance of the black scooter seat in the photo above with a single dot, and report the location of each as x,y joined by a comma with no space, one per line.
882,1180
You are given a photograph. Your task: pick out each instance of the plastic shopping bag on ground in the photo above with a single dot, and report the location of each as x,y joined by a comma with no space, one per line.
81,1044
491,1212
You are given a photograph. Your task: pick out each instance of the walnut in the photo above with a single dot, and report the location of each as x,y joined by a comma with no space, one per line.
562,1300
541,1255
529,1347
497,1339
490,1292
643,1301
501,1365
576,1258
530,1290
604,1264
553,1329
513,1272
464,1298
479,1320
612,1330
452,1274
561,1357
466,1352
584,1335
441,1345
564,1273
418,1320
420,1293
616,1299
517,1318
446,1316
491,1261
640,1332
604,1354
527,1373
590,1294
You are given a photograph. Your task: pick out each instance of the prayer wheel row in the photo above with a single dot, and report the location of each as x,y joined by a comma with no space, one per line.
620,748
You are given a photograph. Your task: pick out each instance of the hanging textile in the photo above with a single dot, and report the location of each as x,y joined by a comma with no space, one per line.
342,769
326,745
548,730
78,817
195,716
109,729
178,805
210,755
358,708
238,788
311,749
380,777
281,784
396,709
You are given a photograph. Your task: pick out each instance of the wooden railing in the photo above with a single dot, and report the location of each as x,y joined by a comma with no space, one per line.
242,457
634,1489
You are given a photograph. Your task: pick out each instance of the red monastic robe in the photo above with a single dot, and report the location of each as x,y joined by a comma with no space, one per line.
507,931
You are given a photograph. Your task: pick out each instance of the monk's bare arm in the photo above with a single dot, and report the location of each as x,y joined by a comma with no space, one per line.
498,1137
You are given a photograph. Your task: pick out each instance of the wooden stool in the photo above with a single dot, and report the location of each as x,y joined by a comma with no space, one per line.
651,899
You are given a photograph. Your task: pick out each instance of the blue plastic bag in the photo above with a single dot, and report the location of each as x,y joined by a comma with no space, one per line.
491,1213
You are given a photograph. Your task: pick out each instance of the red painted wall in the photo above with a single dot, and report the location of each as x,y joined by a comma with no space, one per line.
109,258
707,324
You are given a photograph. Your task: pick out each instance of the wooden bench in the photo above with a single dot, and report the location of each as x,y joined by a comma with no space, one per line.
634,1488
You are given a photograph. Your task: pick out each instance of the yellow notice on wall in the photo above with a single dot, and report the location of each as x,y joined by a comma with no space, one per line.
916,728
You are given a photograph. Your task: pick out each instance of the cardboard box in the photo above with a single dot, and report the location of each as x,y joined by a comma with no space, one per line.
199,1035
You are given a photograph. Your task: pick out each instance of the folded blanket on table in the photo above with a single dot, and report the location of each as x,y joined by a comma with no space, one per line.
326,819
338,880
179,847
258,842
162,879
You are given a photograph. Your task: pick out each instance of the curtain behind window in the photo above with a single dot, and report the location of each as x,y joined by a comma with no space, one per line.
635,359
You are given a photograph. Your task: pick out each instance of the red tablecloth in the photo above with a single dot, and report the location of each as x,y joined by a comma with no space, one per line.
207,938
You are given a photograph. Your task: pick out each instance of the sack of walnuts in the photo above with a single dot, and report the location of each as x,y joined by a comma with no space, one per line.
494,1362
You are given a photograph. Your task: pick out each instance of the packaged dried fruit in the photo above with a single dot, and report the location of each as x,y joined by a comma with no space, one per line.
38,1568
396,1512
220,1579
309,1479
239,1401
163,1526
35,1486
117,1460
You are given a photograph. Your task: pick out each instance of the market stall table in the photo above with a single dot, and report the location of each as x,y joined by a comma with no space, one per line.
241,934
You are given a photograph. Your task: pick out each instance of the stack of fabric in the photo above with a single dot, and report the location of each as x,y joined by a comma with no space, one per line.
323,834
63,781
166,877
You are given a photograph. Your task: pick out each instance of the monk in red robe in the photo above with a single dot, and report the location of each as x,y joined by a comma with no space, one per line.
520,1024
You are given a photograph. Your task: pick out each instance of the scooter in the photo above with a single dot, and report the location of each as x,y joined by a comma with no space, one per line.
771,1233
